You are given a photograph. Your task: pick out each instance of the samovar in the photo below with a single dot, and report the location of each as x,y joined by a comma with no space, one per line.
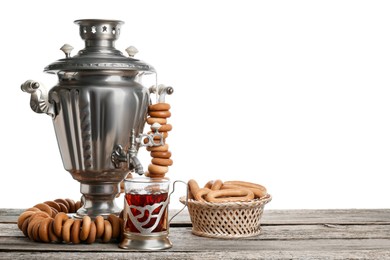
98,107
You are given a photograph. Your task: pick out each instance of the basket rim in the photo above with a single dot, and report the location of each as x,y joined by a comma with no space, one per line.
255,202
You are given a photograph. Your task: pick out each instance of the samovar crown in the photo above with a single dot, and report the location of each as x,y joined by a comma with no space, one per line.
98,29
99,52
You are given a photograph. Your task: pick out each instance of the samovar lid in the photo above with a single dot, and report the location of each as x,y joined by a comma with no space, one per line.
99,52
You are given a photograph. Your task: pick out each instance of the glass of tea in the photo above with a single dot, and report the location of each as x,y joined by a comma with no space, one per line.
145,214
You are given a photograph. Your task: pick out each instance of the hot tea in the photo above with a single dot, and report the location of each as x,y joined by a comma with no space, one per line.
147,212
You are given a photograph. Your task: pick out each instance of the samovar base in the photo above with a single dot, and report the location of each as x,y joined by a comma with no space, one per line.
98,199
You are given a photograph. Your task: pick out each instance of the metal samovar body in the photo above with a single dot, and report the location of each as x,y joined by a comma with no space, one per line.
91,119
99,108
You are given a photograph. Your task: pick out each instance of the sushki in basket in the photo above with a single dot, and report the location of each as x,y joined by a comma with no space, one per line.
231,209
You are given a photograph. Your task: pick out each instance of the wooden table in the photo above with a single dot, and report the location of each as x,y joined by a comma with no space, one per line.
286,234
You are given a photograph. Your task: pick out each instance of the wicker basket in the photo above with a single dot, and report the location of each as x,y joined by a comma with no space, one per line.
226,220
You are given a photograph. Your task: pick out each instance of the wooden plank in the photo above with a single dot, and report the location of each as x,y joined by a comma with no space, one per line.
10,212
203,245
278,217
303,237
330,216
165,255
284,232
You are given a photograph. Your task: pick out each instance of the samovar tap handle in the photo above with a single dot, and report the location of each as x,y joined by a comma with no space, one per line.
39,101
119,155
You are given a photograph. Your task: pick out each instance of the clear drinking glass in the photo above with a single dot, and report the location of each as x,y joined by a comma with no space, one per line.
146,224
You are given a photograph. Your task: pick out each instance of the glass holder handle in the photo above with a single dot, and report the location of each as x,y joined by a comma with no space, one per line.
186,202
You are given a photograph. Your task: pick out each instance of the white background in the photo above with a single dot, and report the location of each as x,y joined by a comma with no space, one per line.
290,94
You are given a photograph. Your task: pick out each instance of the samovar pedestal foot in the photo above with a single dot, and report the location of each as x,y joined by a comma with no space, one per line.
98,199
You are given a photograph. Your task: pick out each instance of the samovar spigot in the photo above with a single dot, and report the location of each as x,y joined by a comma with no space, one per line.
119,155
134,163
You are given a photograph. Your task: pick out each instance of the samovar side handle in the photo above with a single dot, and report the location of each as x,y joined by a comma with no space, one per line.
39,101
